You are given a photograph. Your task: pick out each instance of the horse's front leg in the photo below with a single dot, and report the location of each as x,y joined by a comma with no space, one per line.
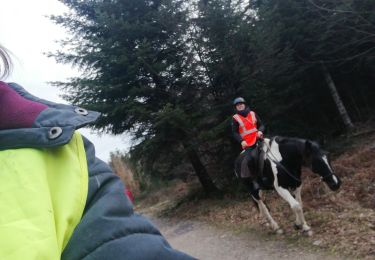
257,196
300,218
298,224
295,205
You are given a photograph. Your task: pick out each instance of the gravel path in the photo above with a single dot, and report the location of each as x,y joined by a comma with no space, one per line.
208,242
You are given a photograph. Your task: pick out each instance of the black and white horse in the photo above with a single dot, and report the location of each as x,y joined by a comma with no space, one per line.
283,161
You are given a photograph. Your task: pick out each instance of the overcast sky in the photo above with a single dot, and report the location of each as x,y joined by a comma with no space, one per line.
27,33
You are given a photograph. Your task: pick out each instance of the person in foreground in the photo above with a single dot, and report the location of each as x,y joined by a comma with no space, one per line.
58,201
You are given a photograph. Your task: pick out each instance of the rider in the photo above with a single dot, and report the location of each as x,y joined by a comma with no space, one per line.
247,129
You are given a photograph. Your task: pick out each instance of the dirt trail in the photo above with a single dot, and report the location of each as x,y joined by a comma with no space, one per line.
208,242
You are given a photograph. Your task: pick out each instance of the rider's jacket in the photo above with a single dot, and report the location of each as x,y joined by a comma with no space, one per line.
247,128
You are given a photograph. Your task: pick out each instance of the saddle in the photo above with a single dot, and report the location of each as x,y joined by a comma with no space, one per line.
258,160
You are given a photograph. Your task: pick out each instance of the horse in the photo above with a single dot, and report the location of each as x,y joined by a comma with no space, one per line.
283,161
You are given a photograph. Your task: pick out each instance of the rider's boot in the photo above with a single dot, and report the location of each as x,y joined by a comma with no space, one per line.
255,185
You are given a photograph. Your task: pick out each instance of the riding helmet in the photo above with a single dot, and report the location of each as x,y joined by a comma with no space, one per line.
238,101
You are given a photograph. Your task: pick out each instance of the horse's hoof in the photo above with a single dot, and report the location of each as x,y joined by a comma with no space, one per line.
308,233
297,227
279,231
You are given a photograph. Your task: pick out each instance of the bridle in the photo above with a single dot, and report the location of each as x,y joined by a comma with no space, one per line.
327,176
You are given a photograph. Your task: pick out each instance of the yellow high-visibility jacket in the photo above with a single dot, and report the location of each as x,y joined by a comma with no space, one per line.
57,200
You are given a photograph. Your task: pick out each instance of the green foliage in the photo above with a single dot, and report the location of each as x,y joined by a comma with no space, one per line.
166,71
297,37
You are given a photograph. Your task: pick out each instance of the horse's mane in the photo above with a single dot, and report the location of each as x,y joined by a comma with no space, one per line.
299,142
286,139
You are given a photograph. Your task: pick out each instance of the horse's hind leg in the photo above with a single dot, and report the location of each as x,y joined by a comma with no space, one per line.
265,212
300,218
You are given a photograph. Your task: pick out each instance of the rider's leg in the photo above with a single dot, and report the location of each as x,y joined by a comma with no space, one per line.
248,168
245,171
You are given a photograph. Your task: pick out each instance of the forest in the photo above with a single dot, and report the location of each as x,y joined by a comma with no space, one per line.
166,72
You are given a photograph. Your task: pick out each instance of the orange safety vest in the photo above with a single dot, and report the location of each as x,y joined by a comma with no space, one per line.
248,127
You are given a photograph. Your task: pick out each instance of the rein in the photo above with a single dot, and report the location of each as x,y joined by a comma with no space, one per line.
279,164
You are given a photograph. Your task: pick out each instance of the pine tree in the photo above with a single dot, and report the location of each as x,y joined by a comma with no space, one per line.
138,74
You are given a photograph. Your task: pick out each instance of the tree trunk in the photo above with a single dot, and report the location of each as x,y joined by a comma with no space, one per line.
200,170
336,97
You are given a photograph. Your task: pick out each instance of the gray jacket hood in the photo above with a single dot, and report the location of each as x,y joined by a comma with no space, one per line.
54,126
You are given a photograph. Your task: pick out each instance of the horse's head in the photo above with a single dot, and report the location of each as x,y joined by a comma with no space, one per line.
320,165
